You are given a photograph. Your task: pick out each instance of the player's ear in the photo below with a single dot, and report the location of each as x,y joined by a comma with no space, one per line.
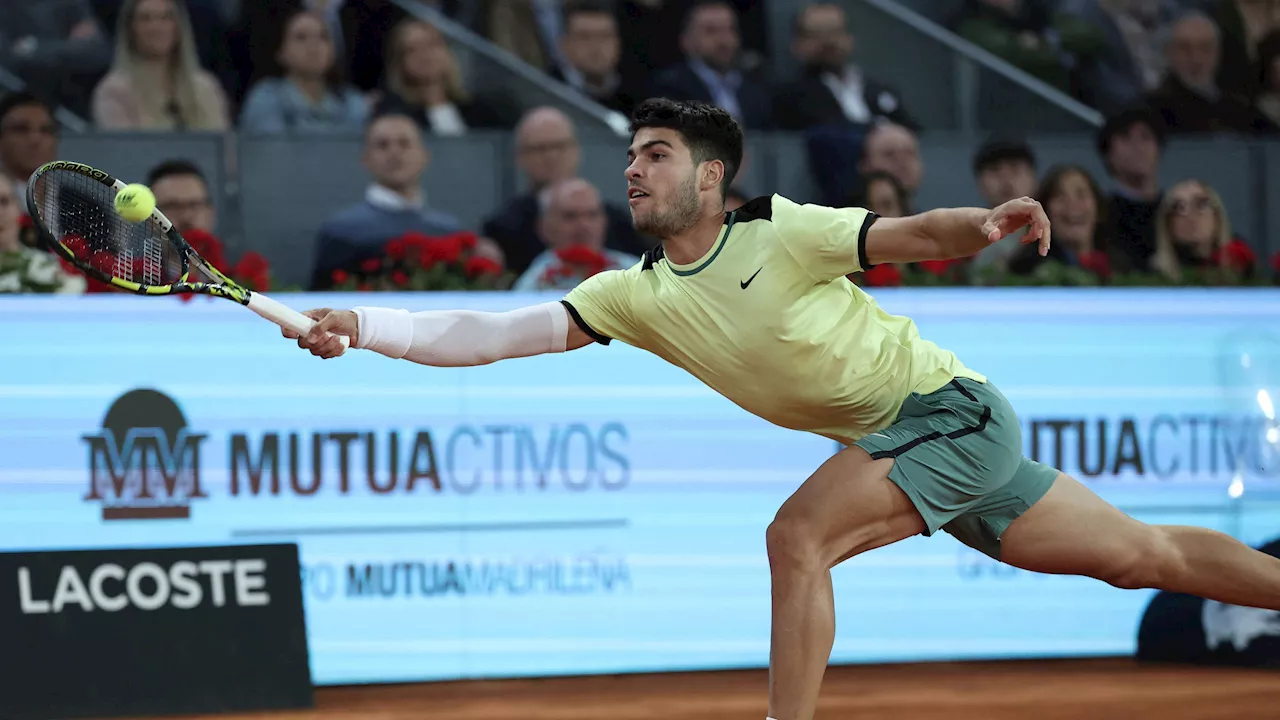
712,174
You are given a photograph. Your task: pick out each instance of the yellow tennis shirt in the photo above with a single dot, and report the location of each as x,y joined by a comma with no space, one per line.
768,319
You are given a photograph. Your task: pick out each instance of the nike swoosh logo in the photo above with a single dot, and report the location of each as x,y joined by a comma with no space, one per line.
886,437
748,280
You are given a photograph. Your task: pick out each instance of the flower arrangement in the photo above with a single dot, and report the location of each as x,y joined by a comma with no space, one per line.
417,261
570,265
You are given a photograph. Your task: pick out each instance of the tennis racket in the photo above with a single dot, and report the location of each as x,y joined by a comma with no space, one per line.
73,207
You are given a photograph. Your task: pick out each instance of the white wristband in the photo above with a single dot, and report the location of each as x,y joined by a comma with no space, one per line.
384,331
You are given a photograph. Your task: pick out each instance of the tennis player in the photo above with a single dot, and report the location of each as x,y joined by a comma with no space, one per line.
756,305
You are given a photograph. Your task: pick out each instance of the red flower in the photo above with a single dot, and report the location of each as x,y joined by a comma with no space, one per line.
206,246
582,255
1235,255
25,222
372,265
449,248
399,278
397,248
251,264
477,266
936,267
1097,263
882,276
468,240
339,276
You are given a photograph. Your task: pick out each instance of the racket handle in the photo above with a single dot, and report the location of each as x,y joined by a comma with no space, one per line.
284,316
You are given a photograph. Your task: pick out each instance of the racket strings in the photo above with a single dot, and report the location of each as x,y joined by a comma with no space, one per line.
80,213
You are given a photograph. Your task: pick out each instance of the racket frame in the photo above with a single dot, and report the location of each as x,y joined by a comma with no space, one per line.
224,287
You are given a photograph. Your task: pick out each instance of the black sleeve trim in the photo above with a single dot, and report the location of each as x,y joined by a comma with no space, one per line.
573,312
862,240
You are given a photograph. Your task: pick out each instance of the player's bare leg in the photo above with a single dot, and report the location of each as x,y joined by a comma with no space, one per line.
1072,531
847,507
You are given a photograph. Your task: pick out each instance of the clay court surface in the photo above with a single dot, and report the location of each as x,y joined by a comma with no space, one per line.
1025,690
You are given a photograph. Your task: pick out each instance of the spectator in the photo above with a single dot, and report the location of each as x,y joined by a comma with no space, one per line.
393,205
26,269
1130,144
1189,99
423,81
1004,170
547,152
156,82
881,193
1268,72
832,90
356,27
1076,209
213,48
1242,25
528,29
572,224
1194,232
1029,35
1131,63
894,149
55,47
182,194
28,139
591,50
307,93
710,71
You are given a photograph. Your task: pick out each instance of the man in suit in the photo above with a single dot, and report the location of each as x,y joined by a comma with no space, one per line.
710,71
592,49
832,90
547,152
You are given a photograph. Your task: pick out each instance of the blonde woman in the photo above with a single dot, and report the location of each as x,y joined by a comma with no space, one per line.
308,92
1194,232
156,82
423,81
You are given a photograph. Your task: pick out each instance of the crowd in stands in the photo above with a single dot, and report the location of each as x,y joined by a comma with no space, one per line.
307,68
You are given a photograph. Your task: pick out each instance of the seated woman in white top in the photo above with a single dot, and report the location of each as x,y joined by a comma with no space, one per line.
422,81
156,82
308,93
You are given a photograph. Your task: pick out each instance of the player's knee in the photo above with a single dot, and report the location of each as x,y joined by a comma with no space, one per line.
1150,560
791,544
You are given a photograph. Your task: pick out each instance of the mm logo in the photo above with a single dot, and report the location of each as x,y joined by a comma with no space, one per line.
145,463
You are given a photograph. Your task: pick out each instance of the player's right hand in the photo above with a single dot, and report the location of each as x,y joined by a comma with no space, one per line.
323,341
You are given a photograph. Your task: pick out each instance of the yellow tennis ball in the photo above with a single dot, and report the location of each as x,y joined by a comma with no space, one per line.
135,203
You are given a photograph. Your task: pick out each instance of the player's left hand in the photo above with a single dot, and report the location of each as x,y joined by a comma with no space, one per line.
1016,214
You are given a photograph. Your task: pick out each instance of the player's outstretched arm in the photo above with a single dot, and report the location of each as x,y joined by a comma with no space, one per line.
954,232
445,338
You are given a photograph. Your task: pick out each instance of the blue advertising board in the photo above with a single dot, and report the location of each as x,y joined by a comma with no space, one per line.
601,510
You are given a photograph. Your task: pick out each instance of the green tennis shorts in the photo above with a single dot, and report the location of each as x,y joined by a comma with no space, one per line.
958,455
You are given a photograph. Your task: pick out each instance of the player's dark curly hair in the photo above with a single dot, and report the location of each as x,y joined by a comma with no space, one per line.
709,131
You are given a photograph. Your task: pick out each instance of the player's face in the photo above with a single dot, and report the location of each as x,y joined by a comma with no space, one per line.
1193,220
662,183
1073,210
155,28
8,217
184,199
306,50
